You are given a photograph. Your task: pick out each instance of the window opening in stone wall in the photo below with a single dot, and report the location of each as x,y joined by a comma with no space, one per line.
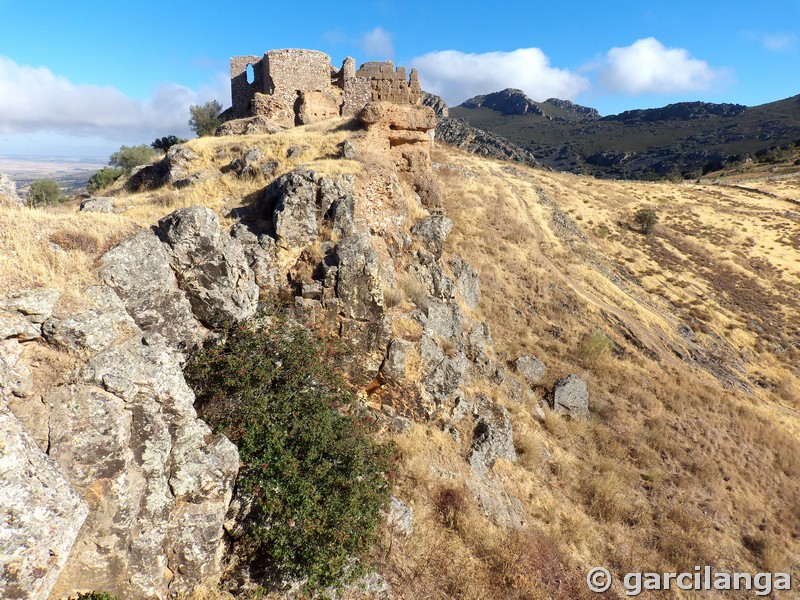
251,74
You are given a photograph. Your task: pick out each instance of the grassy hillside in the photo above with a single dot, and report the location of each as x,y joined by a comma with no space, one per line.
689,339
632,146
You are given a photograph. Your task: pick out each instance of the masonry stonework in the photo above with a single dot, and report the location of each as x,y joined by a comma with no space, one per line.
296,86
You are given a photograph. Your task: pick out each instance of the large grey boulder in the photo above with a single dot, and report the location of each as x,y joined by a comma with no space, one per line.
139,271
157,481
294,216
35,305
401,517
99,204
260,252
177,164
432,232
493,437
571,397
41,514
531,368
211,267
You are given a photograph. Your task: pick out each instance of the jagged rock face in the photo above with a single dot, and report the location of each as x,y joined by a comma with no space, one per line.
433,232
156,481
139,271
210,265
438,105
571,397
8,192
467,282
41,513
509,102
459,133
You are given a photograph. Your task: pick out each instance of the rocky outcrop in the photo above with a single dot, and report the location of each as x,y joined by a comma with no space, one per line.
493,437
438,105
571,397
8,192
157,482
210,266
457,132
680,111
139,271
509,102
41,513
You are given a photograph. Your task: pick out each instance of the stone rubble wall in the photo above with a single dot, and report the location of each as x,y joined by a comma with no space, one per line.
284,79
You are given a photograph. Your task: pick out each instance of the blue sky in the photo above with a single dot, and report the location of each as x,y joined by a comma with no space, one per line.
82,78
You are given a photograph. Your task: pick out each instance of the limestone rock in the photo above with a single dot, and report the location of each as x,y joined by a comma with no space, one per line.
247,166
139,271
41,514
177,163
91,330
211,266
14,325
35,305
394,366
15,375
259,250
433,232
571,397
258,125
295,211
158,483
401,517
493,437
399,117
98,204
8,192
531,368
467,282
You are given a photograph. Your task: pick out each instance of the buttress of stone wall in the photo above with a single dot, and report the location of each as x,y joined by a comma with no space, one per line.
242,92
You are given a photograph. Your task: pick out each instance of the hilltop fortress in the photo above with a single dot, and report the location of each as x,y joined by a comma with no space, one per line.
298,87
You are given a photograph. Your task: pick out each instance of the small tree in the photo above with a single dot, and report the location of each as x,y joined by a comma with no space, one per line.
646,219
165,143
103,178
128,157
205,117
44,192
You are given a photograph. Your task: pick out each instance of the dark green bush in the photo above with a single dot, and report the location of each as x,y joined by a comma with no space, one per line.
96,596
165,143
317,479
646,218
45,192
103,178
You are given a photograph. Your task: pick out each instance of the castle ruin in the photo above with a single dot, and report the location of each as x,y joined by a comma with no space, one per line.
297,87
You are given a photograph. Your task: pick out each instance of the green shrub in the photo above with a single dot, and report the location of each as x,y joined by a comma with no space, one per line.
96,596
595,347
646,219
45,192
317,479
128,157
204,118
103,178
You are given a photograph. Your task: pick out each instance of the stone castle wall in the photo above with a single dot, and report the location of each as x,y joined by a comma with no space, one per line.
293,78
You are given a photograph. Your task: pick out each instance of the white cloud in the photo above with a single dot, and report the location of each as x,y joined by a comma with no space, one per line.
778,42
35,100
377,44
457,76
649,67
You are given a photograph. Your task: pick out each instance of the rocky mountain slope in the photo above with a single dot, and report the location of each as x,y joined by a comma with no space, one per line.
563,390
681,140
